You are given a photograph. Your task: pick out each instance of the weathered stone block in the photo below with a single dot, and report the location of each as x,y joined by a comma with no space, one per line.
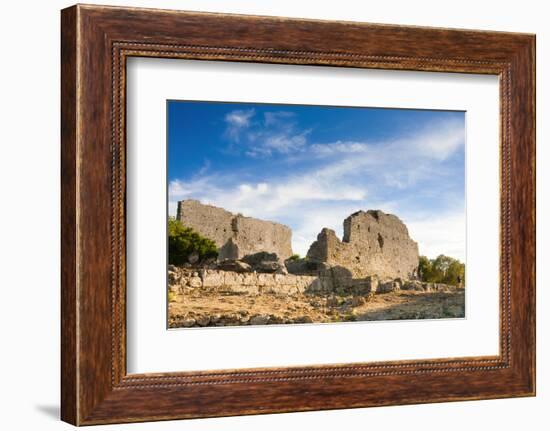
232,279
212,279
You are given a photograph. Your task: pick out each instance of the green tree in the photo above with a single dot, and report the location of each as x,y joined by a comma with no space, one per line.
455,273
424,268
442,269
182,241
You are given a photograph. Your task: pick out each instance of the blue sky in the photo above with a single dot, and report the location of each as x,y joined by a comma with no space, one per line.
309,167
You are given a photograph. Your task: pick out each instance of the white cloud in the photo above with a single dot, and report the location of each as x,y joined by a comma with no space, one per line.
237,121
440,234
264,198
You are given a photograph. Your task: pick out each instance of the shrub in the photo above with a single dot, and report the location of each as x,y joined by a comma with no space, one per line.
294,257
182,241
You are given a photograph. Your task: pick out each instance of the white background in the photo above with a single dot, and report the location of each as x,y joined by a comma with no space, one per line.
151,348
29,228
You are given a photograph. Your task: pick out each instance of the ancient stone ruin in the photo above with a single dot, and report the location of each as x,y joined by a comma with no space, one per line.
235,235
374,243
255,282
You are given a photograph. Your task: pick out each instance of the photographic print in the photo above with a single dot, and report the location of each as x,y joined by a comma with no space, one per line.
299,214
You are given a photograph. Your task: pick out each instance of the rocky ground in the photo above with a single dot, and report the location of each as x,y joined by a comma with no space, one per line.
201,308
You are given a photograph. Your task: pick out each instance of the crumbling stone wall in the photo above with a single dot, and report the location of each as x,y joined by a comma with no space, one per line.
186,281
181,280
235,235
374,243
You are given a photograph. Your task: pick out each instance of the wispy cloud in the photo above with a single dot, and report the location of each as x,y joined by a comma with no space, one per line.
276,133
399,163
237,121
282,141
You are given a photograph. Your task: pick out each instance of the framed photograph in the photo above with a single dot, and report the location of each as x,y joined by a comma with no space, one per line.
264,214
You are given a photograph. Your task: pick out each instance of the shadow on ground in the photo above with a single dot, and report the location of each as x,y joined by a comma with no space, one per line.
435,305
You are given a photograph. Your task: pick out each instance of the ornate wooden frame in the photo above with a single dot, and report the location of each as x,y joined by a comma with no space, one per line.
95,43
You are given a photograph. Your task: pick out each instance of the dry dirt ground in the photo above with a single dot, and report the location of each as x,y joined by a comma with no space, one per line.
215,309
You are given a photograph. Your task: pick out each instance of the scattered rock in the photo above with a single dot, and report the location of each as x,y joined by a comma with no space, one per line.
189,322
203,320
260,319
